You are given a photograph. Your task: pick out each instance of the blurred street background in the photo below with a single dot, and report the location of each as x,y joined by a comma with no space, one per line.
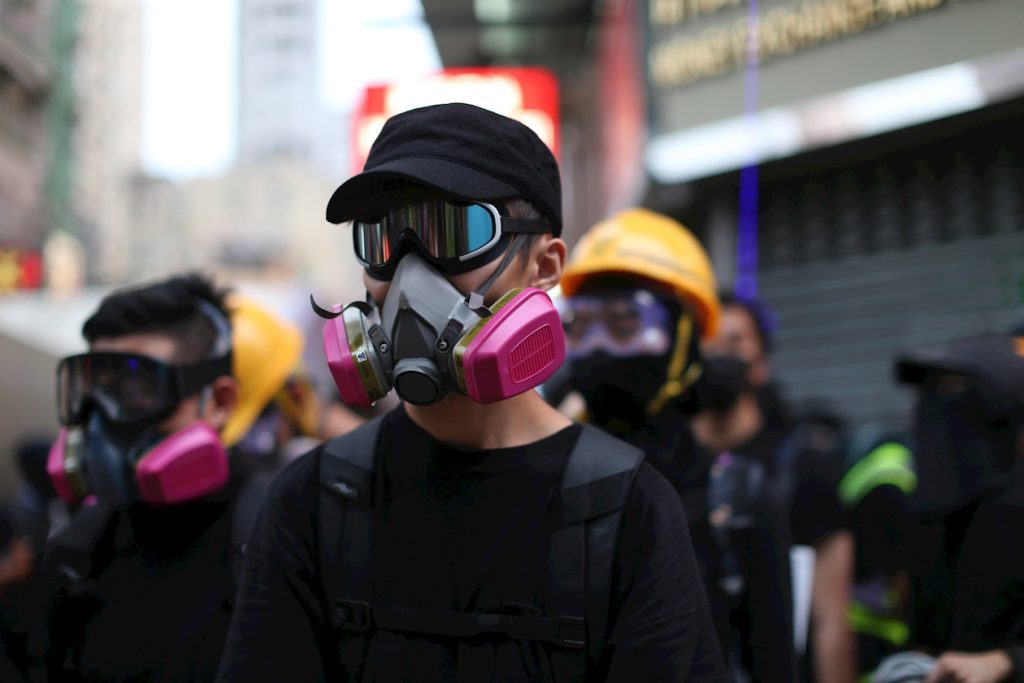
858,164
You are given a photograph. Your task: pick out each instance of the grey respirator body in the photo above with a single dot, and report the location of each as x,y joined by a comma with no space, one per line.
428,339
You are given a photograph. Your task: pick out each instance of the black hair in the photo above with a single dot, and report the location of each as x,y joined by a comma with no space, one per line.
758,312
169,307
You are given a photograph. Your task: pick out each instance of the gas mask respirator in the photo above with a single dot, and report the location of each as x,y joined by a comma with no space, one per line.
100,460
109,447
429,339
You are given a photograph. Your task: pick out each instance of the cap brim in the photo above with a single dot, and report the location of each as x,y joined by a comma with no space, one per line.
912,368
983,358
368,191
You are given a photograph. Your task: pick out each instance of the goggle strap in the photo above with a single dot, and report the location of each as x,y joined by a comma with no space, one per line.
532,226
221,326
196,376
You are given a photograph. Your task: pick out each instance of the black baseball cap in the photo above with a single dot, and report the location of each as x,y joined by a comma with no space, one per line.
461,150
994,362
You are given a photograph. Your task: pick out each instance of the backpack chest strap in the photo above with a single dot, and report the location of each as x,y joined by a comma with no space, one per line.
354,615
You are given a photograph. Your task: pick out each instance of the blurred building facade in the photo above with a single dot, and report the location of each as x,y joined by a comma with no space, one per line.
254,221
281,113
861,175
262,217
860,171
28,81
69,140
107,137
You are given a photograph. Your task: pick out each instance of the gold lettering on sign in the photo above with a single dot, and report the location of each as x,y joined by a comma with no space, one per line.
673,12
718,50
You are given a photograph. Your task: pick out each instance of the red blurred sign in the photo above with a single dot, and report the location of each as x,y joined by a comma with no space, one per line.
20,270
529,95
623,107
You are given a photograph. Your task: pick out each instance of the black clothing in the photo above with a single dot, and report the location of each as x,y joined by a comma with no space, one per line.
808,468
743,555
883,535
962,452
151,600
465,530
17,601
967,582
618,389
804,459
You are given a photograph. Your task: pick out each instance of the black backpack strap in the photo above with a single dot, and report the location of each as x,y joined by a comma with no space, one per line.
514,622
75,551
346,490
595,486
598,478
245,508
71,558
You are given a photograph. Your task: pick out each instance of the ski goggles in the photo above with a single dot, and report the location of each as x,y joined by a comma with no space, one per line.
450,234
631,323
129,387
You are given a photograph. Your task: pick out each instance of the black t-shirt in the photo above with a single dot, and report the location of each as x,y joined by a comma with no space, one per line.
883,531
810,476
967,580
753,620
466,530
155,605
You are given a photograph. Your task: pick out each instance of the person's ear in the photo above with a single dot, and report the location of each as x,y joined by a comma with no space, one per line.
547,258
221,403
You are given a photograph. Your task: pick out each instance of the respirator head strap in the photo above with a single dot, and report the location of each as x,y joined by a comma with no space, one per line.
475,300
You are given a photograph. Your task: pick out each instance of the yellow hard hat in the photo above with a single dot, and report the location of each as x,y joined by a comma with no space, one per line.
266,349
654,247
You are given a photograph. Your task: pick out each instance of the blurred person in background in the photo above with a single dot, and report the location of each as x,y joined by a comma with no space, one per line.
18,600
140,581
803,455
875,490
338,418
34,513
473,532
36,502
967,574
639,295
279,414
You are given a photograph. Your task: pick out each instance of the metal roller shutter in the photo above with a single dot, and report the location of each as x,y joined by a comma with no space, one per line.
914,249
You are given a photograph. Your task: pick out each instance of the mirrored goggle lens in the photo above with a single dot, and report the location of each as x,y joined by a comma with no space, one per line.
631,324
126,387
445,230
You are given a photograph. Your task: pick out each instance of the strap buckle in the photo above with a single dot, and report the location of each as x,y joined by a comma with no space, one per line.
570,632
352,615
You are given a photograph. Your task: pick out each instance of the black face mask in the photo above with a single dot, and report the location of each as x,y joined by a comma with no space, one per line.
962,451
723,381
111,451
617,390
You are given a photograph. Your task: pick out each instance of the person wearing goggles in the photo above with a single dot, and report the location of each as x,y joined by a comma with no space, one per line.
140,455
431,533
129,388
638,298
619,323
